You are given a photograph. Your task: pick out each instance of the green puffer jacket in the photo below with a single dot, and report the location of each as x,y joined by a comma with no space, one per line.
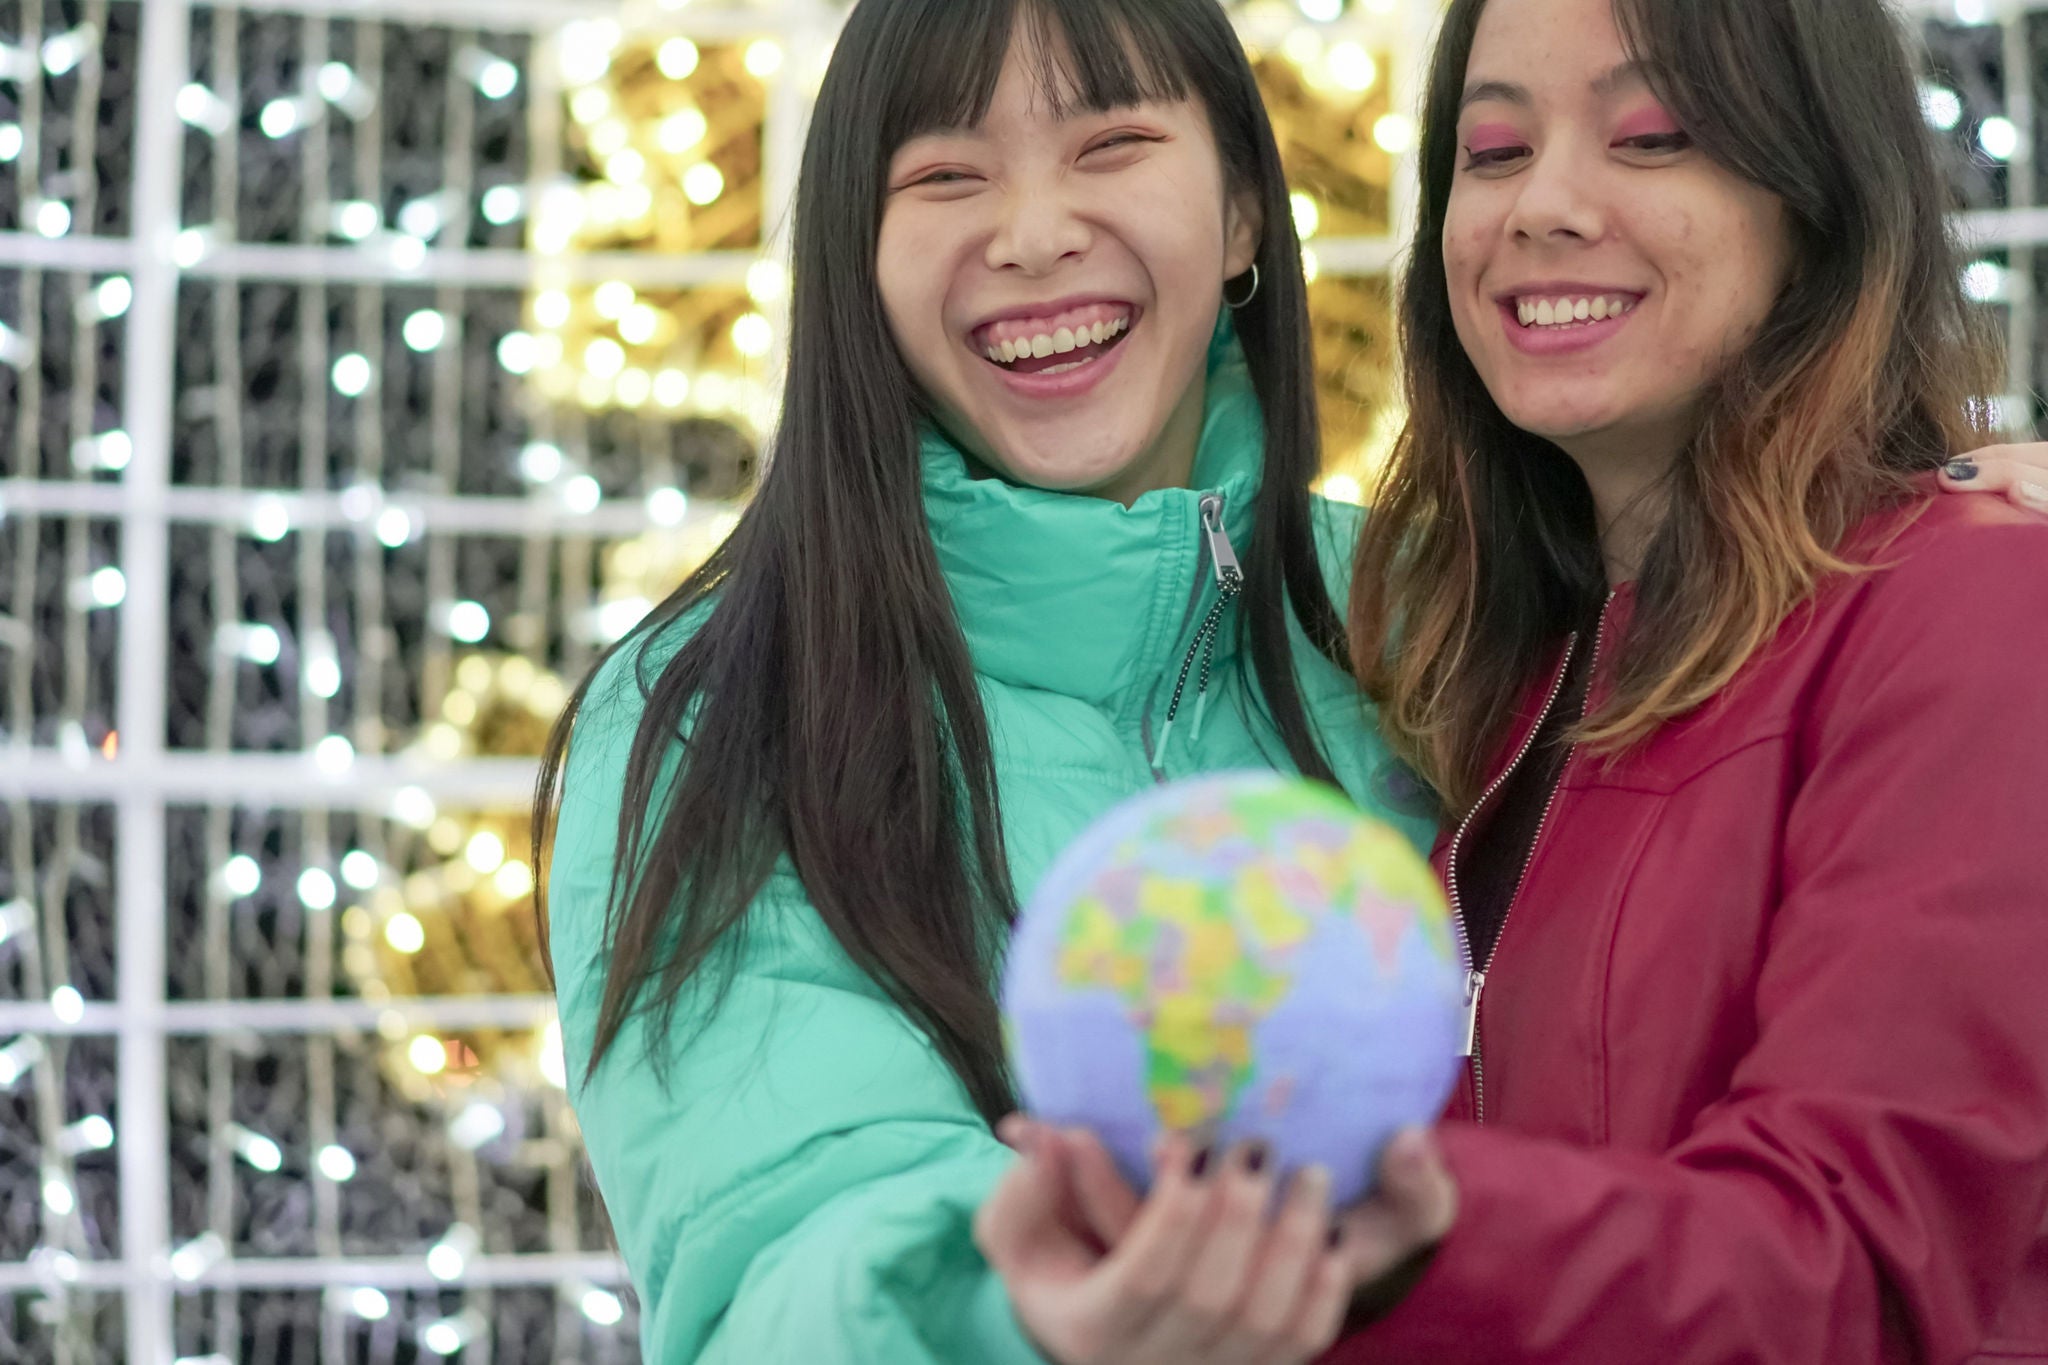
802,1190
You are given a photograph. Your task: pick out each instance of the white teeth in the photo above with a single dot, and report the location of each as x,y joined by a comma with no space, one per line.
1059,342
1041,346
1564,312
1083,337
1063,340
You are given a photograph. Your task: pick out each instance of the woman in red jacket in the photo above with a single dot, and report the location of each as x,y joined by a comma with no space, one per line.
1749,729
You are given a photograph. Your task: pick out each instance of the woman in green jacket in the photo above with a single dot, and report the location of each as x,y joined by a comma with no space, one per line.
1036,533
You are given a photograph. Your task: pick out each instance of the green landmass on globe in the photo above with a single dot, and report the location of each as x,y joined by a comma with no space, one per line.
1197,961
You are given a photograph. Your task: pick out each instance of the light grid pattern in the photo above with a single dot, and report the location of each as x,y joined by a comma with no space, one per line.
227,573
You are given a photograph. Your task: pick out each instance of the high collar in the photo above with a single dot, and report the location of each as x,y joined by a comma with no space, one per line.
1080,595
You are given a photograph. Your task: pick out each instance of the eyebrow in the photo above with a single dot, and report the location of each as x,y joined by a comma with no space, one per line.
1507,92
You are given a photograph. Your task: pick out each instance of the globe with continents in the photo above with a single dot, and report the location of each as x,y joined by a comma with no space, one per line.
1240,956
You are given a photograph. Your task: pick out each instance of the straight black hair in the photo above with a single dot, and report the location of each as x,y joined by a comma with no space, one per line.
826,691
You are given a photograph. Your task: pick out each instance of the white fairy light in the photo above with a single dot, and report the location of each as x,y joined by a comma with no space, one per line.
469,622
269,519
502,204
336,1162
352,375
667,506
676,58
405,933
67,1004
479,1124
582,494
196,1257
316,889
425,330
93,1133
334,756
241,876
17,1057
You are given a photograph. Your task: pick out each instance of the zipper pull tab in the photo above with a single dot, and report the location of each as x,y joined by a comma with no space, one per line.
1221,552
1475,983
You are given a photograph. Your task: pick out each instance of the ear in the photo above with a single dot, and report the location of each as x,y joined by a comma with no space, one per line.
1244,224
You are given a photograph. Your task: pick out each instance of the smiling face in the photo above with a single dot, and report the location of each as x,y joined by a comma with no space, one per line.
1602,271
1053,284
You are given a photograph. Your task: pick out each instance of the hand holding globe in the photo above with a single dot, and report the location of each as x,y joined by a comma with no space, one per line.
1232,994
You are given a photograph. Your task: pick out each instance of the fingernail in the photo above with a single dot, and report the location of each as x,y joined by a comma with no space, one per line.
1256,1155
1199,1167
1962,471
2034,495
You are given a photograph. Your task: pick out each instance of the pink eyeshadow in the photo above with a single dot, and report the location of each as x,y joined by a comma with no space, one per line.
1646,123
1491,137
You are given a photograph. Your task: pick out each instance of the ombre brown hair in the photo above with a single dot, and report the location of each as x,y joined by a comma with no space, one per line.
1482,552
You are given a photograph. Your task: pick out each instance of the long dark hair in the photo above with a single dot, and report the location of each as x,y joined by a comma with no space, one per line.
827,694
1483,549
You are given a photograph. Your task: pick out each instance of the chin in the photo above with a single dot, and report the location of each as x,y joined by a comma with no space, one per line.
1066,471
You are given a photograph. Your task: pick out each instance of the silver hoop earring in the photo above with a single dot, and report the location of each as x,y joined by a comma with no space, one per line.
1239,303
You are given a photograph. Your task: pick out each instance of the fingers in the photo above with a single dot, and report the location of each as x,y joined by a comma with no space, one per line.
2020,473
1413,1207
1280,1317
1204,1314
1107,1203
1019,1209
1144,1272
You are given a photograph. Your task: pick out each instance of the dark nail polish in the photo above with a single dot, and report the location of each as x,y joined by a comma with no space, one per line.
1962,471
1256,1154
1199,1167
1336,1237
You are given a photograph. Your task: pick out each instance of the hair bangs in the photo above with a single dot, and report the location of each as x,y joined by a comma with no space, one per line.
1082,55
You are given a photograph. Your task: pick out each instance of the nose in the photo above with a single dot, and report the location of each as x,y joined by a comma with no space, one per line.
1037,231
1559,200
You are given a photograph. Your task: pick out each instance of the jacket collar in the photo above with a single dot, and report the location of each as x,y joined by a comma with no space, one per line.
1080,595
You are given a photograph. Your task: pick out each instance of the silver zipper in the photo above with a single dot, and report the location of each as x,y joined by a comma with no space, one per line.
1475,975
1229,583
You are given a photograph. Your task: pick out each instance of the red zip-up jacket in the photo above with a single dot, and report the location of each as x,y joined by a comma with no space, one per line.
1764,1043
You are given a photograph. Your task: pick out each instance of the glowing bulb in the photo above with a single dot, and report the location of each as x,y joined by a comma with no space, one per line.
682,130
640,323
602,1307
667,506
108,588
337,1163
634,387
497,78
359,869
703,183
671,388
551,308
604,358
767,281
113,296
67,1004
1984,281
1941,106
93,1133
334,755
316,889
394,528
479,1123
1999,138
58,1196
260,644
241,876
356,219
676,58
513,880
625,167
269,520
428,1054
279,118
369,1304
53,218
1395,133
517,352
11,141
188,248
425,330
412,807
1321,11
197,1256
485,851
582,494
352,375
752,336
540,462
405,933
1352,67
469,622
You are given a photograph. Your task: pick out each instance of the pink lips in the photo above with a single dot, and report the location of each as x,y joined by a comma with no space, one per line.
1550,341
1065,384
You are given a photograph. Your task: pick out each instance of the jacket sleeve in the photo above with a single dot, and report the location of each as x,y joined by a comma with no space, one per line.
802,1187
1869,1185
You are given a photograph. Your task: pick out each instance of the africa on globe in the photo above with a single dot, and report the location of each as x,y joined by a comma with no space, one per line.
1239,956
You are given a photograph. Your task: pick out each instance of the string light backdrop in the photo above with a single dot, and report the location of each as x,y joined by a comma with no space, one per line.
365,368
